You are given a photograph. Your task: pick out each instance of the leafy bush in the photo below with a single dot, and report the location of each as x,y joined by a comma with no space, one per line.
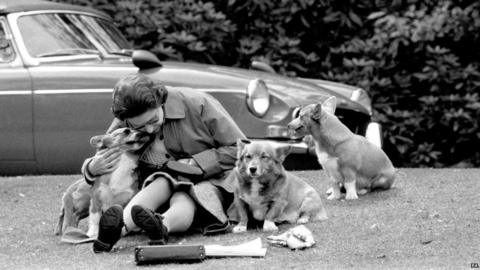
422,68
292,36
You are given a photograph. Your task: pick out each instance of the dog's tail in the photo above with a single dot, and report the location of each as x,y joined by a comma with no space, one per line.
66,213
59,226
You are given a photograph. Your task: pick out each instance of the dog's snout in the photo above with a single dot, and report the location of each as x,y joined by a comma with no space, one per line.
127,131
107,141
292,126
252,169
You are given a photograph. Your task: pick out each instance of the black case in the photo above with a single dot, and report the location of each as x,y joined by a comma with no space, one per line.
169,253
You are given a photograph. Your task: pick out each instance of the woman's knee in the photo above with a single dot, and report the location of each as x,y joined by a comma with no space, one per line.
153,195
160,183
158,187
181,197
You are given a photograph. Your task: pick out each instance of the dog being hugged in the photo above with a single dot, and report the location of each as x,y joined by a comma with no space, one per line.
349,160
266,191
82,199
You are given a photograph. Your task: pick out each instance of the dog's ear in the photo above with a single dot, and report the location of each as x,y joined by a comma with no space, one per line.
317,112
282,152
96,141
330,105
240,146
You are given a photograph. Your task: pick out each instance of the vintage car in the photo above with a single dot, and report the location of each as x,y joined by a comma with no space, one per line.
59,62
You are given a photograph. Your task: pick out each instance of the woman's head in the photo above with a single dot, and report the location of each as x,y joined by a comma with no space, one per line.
136,94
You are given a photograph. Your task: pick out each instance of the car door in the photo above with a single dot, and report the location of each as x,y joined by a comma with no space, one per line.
71,104
16,130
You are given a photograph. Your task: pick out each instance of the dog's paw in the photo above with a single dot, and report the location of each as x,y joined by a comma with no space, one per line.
333,196
93,231
351,196
269,226
321,216
362,192
303,220
92,234
330,191
239,229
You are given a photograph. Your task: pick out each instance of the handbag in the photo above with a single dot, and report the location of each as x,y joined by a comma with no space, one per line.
178,170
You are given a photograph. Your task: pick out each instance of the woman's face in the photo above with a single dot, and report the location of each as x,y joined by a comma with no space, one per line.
150,121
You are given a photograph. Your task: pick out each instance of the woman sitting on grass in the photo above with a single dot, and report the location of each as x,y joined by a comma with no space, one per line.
187,126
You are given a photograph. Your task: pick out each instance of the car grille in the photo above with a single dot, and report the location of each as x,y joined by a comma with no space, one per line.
357,122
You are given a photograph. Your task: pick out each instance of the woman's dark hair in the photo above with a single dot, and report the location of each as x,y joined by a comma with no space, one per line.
135,94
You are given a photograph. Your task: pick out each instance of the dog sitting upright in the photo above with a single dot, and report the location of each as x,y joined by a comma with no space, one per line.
269,193
349,160
81,199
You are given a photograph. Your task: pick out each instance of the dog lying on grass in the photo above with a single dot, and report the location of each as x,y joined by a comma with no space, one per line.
81,199
266,191
349,160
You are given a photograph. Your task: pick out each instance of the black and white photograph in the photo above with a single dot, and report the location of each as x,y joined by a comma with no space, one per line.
239,134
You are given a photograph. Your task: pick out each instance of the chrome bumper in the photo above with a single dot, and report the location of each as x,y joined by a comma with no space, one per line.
373,134
296,147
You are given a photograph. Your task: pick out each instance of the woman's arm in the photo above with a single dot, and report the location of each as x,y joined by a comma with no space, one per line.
104,161
225,133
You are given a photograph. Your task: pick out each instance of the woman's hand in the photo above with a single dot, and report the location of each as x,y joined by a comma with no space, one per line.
105,161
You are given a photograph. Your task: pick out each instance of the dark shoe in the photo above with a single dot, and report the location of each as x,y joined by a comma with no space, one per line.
151,223
110,229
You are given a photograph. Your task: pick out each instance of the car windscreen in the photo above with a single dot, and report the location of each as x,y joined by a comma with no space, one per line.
62,34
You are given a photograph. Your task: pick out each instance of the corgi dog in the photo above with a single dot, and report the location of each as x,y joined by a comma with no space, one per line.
82,199
349,160
266,191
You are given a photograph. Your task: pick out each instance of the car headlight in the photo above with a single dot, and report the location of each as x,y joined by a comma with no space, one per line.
258,98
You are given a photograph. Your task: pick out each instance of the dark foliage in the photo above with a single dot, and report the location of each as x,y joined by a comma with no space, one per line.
421,64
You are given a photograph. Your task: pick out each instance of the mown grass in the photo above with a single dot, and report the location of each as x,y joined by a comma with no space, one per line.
430,219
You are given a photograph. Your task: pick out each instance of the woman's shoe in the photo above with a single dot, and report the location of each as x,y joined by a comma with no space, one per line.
151,223
110,229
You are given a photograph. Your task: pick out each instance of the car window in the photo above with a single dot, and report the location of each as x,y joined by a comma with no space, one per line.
7,53
107,34
62,34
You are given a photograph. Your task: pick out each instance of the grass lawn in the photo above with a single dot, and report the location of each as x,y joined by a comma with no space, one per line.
430,219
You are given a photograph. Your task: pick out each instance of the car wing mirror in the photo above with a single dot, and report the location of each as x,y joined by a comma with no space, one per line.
145,60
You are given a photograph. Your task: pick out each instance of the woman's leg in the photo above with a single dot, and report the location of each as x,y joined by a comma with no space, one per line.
152,196
180,214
